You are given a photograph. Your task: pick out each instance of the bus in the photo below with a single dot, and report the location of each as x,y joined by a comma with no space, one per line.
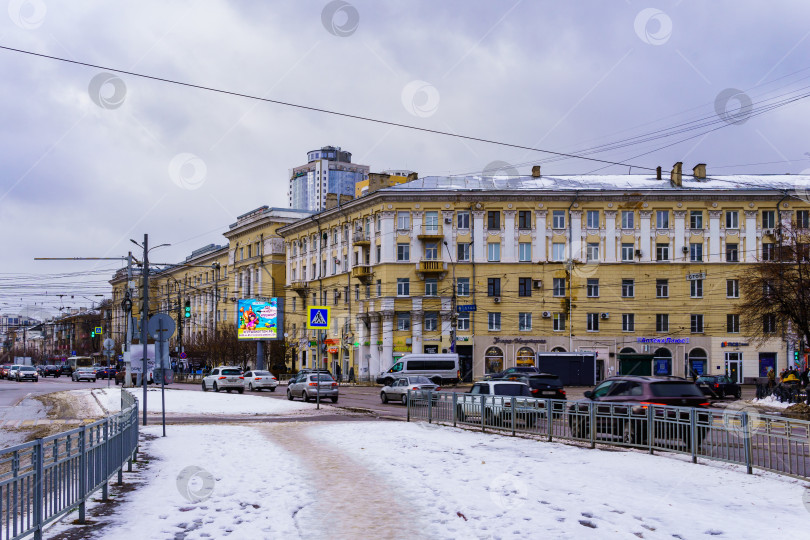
74,362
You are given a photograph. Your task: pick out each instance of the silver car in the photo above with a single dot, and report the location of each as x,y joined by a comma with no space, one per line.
398,390
310,385
84,374
259,380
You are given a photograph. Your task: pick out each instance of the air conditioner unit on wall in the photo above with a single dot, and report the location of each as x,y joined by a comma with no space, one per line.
604,315
538,283
546,314
767,232
448,221
497,299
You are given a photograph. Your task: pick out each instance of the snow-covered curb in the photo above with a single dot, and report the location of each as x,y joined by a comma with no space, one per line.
771,401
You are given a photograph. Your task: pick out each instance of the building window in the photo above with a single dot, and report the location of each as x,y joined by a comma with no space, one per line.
662,252
696,219
697,324
378,250
768,219
558,251
592,219
379,287
403,320
558,322
494,251
431,251
662,288
732,252
662,219
524,286
524,251
628,219
357,292
592,322
463,252
294,303
524,321
769,323
768,252
403,287
494,319
732,288
493,286
463,219
628,252
432,221
628,322
431,321
558,219
696,287
431,287
403,221
662,322
493,220
463,321
403,252
558,286
733,323
463,287
593,288
335,297
592,252
524,219
802,219
368,291
628,288
696,252
732,219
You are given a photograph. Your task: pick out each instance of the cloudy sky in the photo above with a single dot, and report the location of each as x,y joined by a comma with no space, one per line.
91,158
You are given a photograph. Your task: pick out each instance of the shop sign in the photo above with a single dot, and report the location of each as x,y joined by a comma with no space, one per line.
519,340
696,275
663,340
734,344
462,338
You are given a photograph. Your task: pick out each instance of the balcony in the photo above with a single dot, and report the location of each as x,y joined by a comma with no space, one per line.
431,232
359,238
431,266
363,273
299,286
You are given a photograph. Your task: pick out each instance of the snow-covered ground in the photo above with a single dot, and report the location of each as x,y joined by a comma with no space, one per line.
400,480
771,401
186,402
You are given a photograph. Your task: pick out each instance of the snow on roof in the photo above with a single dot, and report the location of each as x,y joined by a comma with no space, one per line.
776,182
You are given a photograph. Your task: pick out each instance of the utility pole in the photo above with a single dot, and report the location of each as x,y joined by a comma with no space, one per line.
145,320
128,314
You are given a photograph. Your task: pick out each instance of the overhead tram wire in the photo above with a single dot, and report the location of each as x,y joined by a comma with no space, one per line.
321,110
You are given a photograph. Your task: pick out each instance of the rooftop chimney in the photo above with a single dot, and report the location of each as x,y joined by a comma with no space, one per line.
699,171
331,200
658,173
344,198
675,176
536,171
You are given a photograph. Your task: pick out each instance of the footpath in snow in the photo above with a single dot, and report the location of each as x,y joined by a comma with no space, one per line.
415,480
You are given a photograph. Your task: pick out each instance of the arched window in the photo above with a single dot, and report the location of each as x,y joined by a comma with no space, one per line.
493,360
627,350
662,362
558,349
698,360
525,357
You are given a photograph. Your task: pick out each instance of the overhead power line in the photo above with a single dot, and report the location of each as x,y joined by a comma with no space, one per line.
324,111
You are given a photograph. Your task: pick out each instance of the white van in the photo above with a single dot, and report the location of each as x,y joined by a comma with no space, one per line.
439,368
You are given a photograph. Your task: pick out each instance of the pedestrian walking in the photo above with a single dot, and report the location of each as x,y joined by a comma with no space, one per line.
351,375
771,379
339,373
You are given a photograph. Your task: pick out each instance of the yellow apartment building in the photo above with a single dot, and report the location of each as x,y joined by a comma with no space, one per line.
640,269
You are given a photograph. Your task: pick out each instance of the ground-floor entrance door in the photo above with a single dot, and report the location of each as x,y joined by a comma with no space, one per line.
465,362
734,366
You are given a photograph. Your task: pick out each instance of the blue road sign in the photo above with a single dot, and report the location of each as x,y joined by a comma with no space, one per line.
467,307
318,317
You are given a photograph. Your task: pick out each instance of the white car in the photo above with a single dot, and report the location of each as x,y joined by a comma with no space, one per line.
84,374
259,380
224,378
495,399
12,371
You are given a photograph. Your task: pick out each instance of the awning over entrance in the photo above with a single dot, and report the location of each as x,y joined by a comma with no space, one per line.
635,364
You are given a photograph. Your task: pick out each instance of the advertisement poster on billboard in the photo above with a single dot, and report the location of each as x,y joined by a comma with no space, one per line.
259,319
136,357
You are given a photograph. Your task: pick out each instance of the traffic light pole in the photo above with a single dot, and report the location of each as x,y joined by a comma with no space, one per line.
144,320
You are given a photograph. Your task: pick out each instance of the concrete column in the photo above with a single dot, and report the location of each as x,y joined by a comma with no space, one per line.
576,235
449,253
374,359
416,228
362,354
751,247
478,236
644,243
714,249
387,355
610,236
680,235
539,235
387,237
508,242
416,330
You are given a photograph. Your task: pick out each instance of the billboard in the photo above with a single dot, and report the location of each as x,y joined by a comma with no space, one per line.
259,319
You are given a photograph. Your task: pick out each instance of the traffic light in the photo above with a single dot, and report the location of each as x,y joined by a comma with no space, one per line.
188,309
92,333
795,357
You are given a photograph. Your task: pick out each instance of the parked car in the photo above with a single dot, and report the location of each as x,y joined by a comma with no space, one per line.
51,371
26,373
496,403
106,373
224,378
311,385
719,386
84,374
439,368
259,380
621,408
12,371
398,391
515,371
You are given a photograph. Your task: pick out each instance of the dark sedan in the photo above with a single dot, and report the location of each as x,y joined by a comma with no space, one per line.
719,386
543,385
106,373
51,371
515,371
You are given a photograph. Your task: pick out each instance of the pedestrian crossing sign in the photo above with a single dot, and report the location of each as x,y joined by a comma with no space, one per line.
318,318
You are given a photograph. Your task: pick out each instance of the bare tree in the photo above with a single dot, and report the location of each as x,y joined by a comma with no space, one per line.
775,291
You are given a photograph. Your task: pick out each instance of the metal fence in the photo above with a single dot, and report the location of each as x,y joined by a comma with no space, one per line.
42,480
735,435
